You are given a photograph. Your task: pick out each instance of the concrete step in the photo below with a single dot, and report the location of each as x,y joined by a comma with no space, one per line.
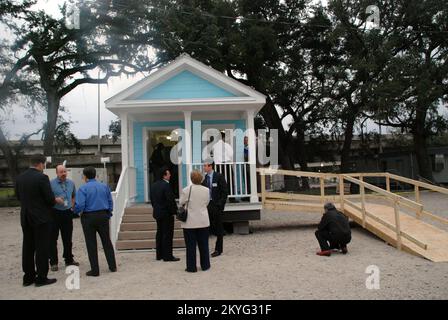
145,235
143,226
145,244
138,210
138,218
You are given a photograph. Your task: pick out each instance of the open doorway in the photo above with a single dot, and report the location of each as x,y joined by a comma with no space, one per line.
159,145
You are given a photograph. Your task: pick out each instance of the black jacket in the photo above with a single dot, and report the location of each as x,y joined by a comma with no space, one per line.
219,190
36,197
162,200
336,223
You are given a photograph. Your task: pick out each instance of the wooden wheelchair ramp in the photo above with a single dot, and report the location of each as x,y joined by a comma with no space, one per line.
390,222
417,237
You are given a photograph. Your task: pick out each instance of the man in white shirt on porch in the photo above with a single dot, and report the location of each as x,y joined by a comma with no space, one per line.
223,154
222,151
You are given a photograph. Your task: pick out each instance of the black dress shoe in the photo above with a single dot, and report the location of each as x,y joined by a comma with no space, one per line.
215,254
172,259
113,269
92,274
27,283
72,263
191,270
40,283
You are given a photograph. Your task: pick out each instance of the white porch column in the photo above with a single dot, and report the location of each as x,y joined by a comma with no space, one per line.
188,144
124,141
252,155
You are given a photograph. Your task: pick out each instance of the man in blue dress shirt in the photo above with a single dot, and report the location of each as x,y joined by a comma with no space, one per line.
62,218
94,200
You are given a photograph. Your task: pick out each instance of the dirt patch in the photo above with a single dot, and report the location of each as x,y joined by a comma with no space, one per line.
276,261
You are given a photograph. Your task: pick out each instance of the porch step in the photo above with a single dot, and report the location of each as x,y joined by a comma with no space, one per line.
144,235
138,218
146,244
143,226
145,210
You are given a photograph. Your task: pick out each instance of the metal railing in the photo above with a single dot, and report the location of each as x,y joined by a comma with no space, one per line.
237,175
122,196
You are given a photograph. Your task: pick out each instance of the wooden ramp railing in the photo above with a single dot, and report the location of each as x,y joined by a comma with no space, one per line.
388,221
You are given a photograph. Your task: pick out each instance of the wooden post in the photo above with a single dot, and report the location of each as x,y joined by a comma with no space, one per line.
397,224
417,194
322,190
419,213
263,187
363,203
388,183
341,191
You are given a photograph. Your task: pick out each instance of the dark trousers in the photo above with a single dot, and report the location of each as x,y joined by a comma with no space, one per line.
36,243
93,223
328,241
63,222
216,227
164,238
197,237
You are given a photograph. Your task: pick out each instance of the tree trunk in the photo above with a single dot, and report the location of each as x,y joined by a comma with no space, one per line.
52,118
10,158
302,156
346,147
420,146
273,121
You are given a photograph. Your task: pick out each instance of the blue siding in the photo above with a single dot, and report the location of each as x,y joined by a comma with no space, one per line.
185,85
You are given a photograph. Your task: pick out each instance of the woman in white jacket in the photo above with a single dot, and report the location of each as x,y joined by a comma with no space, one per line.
196,226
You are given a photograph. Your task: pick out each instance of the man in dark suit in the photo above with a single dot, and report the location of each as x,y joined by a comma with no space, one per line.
218,198
36,201
164,208
333,231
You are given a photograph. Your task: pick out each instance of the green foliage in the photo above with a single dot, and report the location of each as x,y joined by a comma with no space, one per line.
66,140
115,130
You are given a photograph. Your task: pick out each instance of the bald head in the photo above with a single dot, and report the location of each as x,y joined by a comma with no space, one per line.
61,172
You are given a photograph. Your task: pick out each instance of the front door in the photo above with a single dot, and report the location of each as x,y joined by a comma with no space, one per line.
159,145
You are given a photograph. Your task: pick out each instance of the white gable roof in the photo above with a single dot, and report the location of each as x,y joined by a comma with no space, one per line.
131,96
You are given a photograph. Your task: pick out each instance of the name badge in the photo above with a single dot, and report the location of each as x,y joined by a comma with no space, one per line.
214,184
66,203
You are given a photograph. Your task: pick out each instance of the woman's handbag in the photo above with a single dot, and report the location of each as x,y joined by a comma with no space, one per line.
182,212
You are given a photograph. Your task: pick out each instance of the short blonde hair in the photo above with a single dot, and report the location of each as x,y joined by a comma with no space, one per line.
196,177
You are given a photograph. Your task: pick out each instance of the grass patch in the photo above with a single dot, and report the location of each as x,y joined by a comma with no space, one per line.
8,198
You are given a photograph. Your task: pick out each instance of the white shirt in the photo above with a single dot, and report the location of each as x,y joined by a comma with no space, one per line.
222,152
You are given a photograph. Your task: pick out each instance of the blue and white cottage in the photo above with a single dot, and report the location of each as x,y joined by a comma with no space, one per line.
186,94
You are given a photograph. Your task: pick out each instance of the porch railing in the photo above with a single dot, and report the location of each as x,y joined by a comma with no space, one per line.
237,175
123,195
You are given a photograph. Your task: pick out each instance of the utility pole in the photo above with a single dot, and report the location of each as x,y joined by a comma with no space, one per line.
99,102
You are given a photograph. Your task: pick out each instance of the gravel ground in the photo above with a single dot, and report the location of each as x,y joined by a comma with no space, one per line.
276,261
